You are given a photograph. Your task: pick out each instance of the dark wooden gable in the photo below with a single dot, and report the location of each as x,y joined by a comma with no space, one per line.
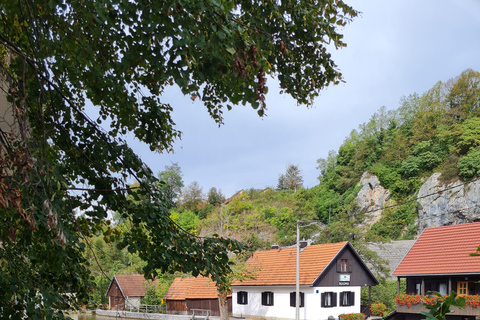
355,273
116,298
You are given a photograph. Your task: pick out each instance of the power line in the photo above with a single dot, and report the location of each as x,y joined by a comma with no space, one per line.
461,184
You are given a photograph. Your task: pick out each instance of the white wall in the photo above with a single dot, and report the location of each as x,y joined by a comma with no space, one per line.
132,301
281,307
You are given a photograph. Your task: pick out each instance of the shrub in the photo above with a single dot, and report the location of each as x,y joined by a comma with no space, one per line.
351,316
469,165
412,299
378,309
408,299
473,301
411,166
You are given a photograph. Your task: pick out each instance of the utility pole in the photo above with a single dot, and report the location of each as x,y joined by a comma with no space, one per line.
297,269
297,275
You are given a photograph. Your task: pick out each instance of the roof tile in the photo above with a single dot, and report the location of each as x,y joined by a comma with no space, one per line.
443,250
192,288
132,285
278,266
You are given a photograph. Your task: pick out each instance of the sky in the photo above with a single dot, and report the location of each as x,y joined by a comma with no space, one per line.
394,48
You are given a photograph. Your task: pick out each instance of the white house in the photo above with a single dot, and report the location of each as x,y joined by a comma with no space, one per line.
331,276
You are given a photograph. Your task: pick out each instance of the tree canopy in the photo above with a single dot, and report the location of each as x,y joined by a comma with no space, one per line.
57,57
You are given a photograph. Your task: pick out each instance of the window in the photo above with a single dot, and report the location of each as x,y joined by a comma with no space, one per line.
418,288
343,265
443,289
293,299
329,299
462,287
347,298
267,298
242,297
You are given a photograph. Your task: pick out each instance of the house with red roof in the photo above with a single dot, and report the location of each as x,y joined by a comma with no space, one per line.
330,278
440,261
186,294
126,290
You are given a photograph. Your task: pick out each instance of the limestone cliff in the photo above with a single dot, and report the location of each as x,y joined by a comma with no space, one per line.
438,204
454,203
371,197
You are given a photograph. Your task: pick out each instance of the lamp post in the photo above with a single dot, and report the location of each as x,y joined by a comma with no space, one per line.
297,275
297,269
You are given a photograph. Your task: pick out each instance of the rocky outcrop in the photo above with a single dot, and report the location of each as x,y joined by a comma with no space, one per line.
372,197
454,203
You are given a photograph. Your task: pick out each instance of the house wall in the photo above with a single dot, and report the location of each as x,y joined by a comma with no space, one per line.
281,302
115,297
357,273
132,302
433,283
208,304
176,307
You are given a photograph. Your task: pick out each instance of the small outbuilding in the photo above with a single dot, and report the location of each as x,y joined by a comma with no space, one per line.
186,294
126,290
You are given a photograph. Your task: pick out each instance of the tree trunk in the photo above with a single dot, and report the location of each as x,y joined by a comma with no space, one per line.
222,302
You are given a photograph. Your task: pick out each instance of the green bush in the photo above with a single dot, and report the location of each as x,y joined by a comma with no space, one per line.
411,166
469,165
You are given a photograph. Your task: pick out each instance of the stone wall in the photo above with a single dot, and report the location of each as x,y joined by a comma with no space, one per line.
139,315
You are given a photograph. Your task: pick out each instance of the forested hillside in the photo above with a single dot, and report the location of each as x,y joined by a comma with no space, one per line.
437,131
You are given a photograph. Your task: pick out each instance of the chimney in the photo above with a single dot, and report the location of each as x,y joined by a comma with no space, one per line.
275,246
303,244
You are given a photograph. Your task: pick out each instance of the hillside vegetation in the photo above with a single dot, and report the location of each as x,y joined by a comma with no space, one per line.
437,131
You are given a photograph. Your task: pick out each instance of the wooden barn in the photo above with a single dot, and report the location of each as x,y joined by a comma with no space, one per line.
126,290
186,294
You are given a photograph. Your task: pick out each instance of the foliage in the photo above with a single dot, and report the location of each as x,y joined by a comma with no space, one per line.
378,309
472,300
441,307
215,197
469,165
192,197
187,220
171,182
120,56
395,221
408,299
151,296
383,293
292,179
352,316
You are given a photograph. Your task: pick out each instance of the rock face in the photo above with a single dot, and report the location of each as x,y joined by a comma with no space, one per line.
371,197
441,205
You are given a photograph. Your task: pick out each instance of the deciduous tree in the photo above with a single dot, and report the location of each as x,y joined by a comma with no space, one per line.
192,196
119,57
171,181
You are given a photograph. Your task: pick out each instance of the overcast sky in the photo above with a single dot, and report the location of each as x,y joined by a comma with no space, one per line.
394,49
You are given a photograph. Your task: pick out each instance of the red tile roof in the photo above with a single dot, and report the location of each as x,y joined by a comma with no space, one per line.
192,288
278,266
202,288
443,250
132,285
179,289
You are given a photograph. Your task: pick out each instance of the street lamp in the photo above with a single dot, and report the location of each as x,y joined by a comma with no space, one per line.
297,271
